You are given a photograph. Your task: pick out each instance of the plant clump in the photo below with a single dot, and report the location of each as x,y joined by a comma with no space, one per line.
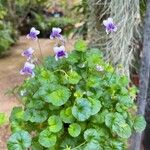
75,101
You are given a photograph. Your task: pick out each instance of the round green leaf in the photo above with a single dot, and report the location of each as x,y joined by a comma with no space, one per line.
96,106
20,140
37,116
139,123
55,124
66,115
74,129
59,96
122,130
47,138
73,77
91,134
109,118
16,114
93,145
82,110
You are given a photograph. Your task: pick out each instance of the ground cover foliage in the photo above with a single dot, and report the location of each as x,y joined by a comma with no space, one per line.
75,103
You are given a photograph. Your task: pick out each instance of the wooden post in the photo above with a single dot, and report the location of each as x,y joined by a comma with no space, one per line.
144,76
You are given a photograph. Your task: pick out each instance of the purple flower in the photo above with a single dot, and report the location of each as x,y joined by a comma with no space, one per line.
109,25
99,68
60,52
28,69
56,33
33,34
28,53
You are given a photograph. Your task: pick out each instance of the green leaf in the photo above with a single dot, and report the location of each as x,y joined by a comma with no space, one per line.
125,100
94,57
91,134
82,109
139,123
46,76
37,116
74,129
47,138
55,124
59,96
122,130
109,118
93,82
17,125
73,57
36,104
68,141
117,145
80,46
73,77
66,115
96,106
36,146
16,114
20,140
100,117
93,145
79,93
2,119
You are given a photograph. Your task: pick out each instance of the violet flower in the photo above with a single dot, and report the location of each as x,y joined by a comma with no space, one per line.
33,34
28,53
28,69
110,25
99,68
56,33
60,52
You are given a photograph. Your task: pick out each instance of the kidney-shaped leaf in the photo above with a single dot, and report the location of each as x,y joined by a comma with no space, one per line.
73,77
91,134
66,115
74,129
47,138
59,96
20,140
37,116
139,123
55,124
82,110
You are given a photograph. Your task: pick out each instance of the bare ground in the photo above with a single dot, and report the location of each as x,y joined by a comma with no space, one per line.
10,77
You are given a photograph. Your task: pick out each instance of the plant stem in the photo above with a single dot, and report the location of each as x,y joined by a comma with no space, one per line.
62,72
79,146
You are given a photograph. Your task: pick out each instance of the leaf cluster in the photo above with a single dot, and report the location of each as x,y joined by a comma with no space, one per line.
69,104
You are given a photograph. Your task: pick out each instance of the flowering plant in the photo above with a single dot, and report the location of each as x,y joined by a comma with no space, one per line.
73,101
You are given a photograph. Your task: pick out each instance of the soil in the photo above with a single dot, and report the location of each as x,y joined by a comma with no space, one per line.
10,77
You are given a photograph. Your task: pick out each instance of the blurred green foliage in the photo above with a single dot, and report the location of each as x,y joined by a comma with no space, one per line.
45,24
6,31
82,10
21,15
3,119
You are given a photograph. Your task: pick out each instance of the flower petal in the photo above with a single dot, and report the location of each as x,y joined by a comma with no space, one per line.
32,29
29,65
58,30
58,49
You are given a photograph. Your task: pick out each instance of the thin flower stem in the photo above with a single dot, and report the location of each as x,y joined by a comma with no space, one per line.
62,72
78,146
40,48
